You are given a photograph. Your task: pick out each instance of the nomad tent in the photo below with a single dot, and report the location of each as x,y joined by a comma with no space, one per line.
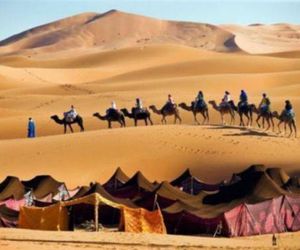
116,181
192,185
56,217
11,187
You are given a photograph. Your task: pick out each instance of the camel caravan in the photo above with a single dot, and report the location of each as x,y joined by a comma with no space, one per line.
198,106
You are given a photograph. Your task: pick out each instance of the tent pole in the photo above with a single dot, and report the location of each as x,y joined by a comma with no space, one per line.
96,217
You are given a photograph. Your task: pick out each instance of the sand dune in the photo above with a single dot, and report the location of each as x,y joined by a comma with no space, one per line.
115,29
262,39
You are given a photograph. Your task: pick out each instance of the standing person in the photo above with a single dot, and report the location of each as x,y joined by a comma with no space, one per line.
31,128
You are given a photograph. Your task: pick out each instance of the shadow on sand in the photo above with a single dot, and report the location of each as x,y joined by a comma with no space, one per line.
243,131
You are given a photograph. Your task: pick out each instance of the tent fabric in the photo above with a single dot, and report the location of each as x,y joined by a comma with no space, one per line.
116,181
191,184
143,221
8,217
55,217
43,185
11,187
13,204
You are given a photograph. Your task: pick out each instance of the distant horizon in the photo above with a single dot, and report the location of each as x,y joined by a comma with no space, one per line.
27,14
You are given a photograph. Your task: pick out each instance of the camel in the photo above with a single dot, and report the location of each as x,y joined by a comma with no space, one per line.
202,110
223,110
66,123
112,117
244,110
266,116
287,120
166,111
142,115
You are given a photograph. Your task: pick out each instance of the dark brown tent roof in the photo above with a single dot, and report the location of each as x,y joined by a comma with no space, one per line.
11,187
116,180
185,175
278,175
254,186
42,185
99,189
192,184
140,181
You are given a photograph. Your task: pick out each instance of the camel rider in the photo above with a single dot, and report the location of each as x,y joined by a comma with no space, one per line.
265,103
288,109
71,114
199,100
226,99
138,103
170,102
243,99
113,107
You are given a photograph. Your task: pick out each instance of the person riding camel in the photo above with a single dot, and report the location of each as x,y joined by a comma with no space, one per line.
243,99
113,108
170,102
139,104
199,100
288,109
265,103
71,114
226,99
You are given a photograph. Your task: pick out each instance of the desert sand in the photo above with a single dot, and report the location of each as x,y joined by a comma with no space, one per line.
45,70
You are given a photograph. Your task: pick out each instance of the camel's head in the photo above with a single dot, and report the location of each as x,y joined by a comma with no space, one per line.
96,114
124,110
53,117
211,102
182,104
275,114
151,107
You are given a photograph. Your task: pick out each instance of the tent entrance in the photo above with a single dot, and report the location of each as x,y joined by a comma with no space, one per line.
85,217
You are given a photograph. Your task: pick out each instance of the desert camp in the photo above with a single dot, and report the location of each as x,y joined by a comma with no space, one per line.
252,202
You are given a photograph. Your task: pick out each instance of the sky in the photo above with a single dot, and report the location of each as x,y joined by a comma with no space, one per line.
19,15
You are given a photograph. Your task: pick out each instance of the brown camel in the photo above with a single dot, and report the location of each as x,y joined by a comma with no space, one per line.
203,110
265,116
244,110
223,109
112,116
167,111
287,120
138,115
66,123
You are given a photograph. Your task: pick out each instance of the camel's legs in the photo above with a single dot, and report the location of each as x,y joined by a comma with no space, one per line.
291,129
207,116
295,128
257,120
195,118
109,124
279,123
269,125
163,120
150,120
232,117
135,122
273,128
222,118
65,128
241,119
146,122
71,128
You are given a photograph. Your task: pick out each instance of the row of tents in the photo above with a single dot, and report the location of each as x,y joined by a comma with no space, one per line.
254,201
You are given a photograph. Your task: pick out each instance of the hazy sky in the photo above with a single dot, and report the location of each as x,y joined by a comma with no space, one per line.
19,15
